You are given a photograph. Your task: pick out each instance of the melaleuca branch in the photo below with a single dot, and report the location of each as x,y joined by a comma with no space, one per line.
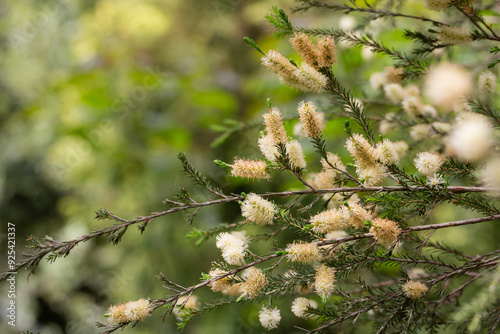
171,300
53,249
284,27
477,19
414,229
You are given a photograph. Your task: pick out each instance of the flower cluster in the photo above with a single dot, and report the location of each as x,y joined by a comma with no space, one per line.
428,163
233,246
454,35
131,311
303,252
251,169
274,126
255,281
221,284
385,231
324,281
300,306
269,318
317,56
258,210
414,289
313,122
305,77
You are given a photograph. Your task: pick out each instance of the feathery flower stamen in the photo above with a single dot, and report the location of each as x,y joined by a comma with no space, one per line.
258,210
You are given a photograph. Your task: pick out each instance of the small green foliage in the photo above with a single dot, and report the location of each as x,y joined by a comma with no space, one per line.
102,214
280,21
196,176
251,43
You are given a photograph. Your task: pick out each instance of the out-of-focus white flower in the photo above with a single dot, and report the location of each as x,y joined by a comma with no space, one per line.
447,84
471,139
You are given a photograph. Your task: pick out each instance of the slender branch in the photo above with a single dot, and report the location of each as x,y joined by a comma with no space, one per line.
413,229
188,291
348,9
56,248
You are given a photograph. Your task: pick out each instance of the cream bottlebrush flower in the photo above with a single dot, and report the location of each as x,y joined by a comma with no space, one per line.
305,48
355,215
386,152
310,80
180,311
414,289
234,290
191,303
471,139
335,235
295,154
303,252
251,169
233,247
258,210
324,179
412,106
327,221
297,130
429,111
377,80
386,127
385,231
269,318
435,180
394,92
412,90
490,174
427,163
131,311
333,160
275,61
268,148
372,175
421,131
401,148
313,122
437,5
441,127
221,284
326,52
274,126
361,150
486,85
324,281
454,36
447,85
300,305
393,74
255,281
347,22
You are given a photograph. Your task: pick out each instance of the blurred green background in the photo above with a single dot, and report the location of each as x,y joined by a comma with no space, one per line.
96,99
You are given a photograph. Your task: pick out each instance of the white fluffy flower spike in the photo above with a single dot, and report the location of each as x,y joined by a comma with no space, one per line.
258,210
269,318
427,163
